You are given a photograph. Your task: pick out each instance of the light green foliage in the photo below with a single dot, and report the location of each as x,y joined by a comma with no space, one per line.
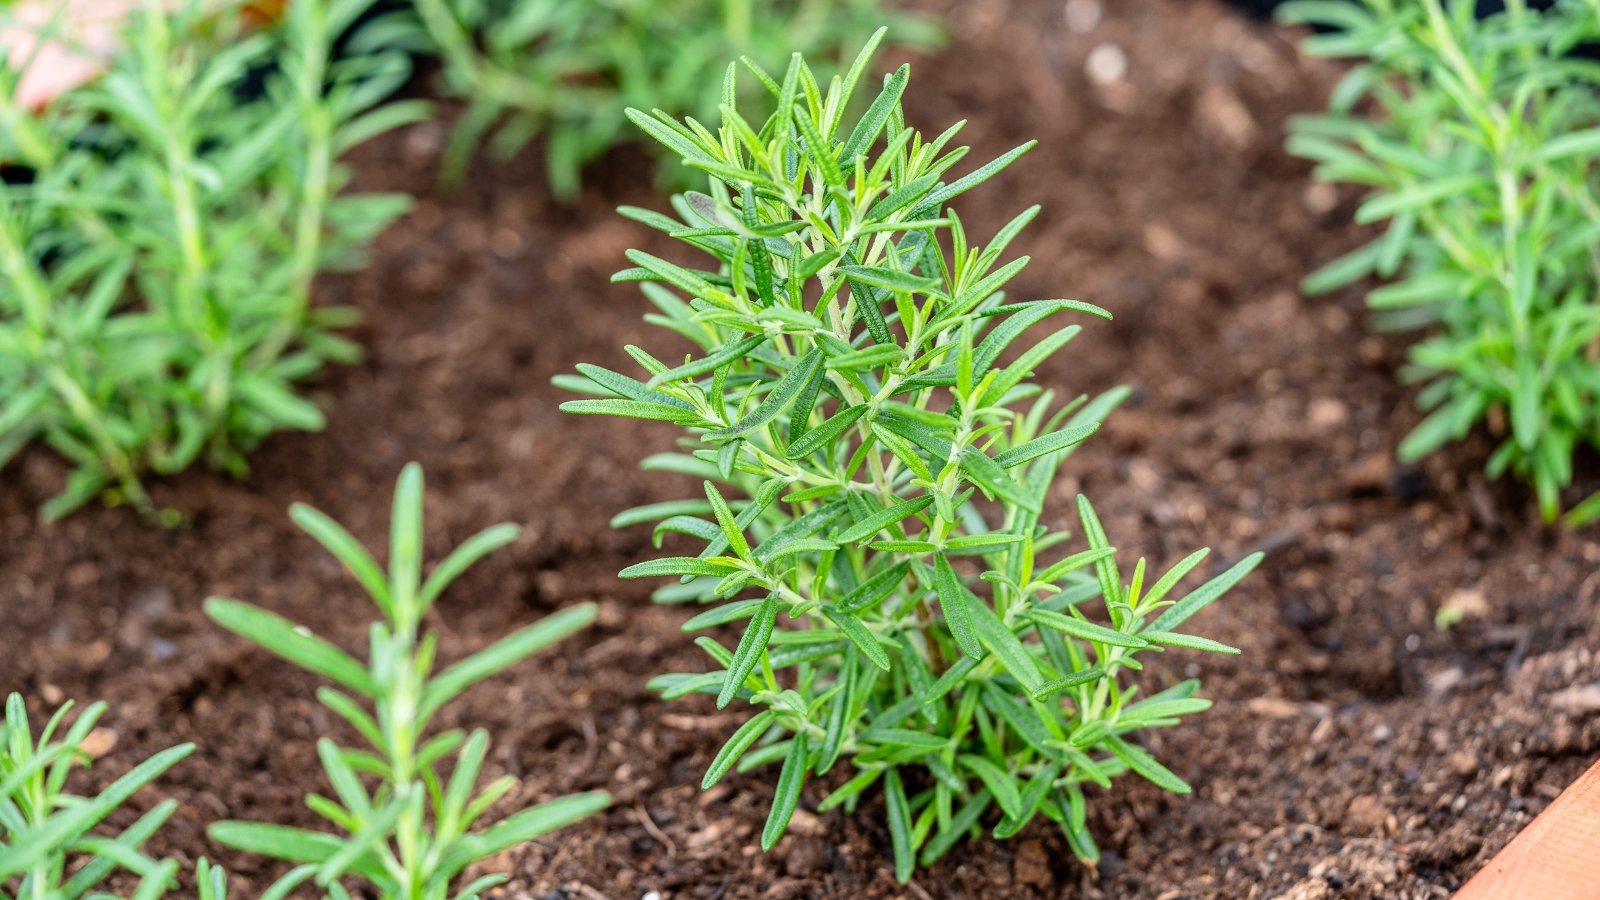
156,258
405,828
869,439
567,70
1479,141
50,848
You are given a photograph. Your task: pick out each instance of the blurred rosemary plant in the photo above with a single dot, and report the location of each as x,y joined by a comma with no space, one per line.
160,230
1478,140
566,71
848,401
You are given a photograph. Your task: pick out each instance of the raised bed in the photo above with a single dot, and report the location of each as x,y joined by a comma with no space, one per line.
1355,750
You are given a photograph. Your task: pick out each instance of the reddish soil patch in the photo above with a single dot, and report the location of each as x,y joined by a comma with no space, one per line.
1354,750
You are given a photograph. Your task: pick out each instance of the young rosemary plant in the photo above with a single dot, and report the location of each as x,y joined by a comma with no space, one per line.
411,832
1478,140
876,472
160,230
567,71
48,845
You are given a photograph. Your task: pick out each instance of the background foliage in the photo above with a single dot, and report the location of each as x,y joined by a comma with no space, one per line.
564,72
1478,140
159,234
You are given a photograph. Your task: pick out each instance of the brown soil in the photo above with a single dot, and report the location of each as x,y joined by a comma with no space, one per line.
1354,751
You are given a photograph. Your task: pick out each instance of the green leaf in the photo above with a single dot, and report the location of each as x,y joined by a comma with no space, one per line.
905,856
465,557
860,636
874,589
725,521
872,121
522,827
629,409
1057,685
890,279
883,518
674,565
297,645
1083,630
741,740
953,603
799,375
1141,762
1050,443
1187,641
787,797
825,434
1204,595
1003,643
503,654
345,548
750,650
710,362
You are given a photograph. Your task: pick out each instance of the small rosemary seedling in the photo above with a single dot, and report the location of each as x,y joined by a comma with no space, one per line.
49,848
1478,140
876,467
414,829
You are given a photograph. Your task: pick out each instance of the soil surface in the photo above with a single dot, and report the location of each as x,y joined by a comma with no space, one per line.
1354,750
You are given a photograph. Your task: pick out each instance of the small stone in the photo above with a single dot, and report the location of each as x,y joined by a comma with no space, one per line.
1368,475
1446,680
99,742
1381,734
52,694
1463,604
1367,815
651,895
1107,64
1275,707
1577,701
1320,198
1309,889
1032,864
1462,763
1326,414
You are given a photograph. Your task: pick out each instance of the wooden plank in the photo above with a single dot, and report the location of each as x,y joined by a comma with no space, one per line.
1555,858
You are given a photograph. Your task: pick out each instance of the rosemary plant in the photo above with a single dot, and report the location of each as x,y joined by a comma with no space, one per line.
160,230
412,833
567,71
1478,140
48,845
867,449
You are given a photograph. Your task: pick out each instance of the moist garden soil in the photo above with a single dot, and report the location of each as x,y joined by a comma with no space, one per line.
1354,750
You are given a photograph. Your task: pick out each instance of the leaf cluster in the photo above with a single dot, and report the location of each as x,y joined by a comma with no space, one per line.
1477,140
402,825
564,72
876,463
159,233
49,843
